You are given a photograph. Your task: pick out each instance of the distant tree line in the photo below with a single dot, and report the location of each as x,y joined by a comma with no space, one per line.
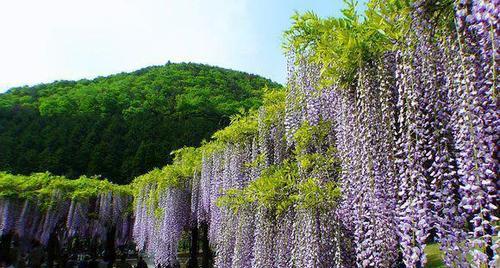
122,125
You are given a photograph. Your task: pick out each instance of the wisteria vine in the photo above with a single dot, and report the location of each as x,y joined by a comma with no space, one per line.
385,139
37,206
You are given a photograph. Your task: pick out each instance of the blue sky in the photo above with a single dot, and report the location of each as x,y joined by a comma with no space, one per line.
43,41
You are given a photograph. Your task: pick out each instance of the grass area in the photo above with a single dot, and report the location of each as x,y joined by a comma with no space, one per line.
434,256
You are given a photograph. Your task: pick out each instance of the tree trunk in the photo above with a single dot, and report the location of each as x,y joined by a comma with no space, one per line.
207,253
5,242
110,251
193,251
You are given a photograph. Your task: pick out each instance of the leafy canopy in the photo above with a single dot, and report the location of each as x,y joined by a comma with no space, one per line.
342,45
42,187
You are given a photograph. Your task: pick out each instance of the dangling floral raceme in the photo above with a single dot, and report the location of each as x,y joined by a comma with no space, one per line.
244,239
9,211
174,207
477,29
263,245
293,114
27,219
144,223
52,217
77,222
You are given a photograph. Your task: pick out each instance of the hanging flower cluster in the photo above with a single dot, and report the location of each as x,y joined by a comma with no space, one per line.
269,190
37,206
163,208
158,231
417,131
478,123
8,211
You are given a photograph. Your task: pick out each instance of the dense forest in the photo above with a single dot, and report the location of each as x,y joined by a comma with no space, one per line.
122,125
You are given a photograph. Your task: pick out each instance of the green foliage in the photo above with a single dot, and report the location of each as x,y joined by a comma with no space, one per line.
308,135
273,106
339,45
305,180
122,125
434,256
241,128
313,194
316,163
270,190
42,187
245,125
280,187
342,45
22,187
187,161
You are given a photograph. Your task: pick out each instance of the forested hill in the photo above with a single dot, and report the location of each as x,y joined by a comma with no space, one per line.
122,125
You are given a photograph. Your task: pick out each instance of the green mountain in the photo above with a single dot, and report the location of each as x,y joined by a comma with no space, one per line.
121,125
